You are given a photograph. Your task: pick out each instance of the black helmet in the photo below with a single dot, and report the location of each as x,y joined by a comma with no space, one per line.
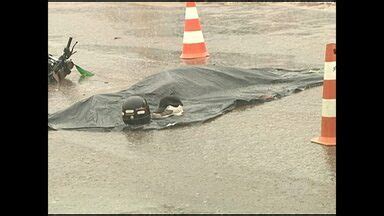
135,111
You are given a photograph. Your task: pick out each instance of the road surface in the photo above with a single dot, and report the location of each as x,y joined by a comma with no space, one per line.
256,159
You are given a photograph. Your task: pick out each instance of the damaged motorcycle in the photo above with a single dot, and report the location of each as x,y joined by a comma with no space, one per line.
59,68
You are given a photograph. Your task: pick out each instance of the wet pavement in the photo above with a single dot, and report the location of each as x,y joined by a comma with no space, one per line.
253,160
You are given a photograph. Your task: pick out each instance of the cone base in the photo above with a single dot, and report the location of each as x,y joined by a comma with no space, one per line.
194,55
328,141
195,61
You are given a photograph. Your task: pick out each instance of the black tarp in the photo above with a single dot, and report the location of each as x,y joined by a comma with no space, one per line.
206,92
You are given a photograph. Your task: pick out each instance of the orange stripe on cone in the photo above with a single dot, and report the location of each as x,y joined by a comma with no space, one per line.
328,119
330,53
191,4
192,25
197,50
329,89
328,126
193,40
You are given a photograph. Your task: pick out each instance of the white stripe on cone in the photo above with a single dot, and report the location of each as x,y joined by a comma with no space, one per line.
192,37
328,108
330,70
191,13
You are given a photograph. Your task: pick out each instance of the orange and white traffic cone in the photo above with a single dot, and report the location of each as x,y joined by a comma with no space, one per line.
193,40
328,119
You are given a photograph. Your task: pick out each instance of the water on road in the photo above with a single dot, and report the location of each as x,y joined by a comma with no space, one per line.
253,160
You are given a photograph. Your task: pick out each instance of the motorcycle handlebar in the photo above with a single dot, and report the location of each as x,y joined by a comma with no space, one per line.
69,42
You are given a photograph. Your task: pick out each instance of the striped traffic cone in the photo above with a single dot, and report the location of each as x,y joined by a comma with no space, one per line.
328,119
193,40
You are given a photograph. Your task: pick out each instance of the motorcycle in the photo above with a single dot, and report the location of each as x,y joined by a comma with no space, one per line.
59,68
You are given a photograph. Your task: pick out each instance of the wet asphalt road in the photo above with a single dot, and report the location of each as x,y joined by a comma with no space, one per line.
253,160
